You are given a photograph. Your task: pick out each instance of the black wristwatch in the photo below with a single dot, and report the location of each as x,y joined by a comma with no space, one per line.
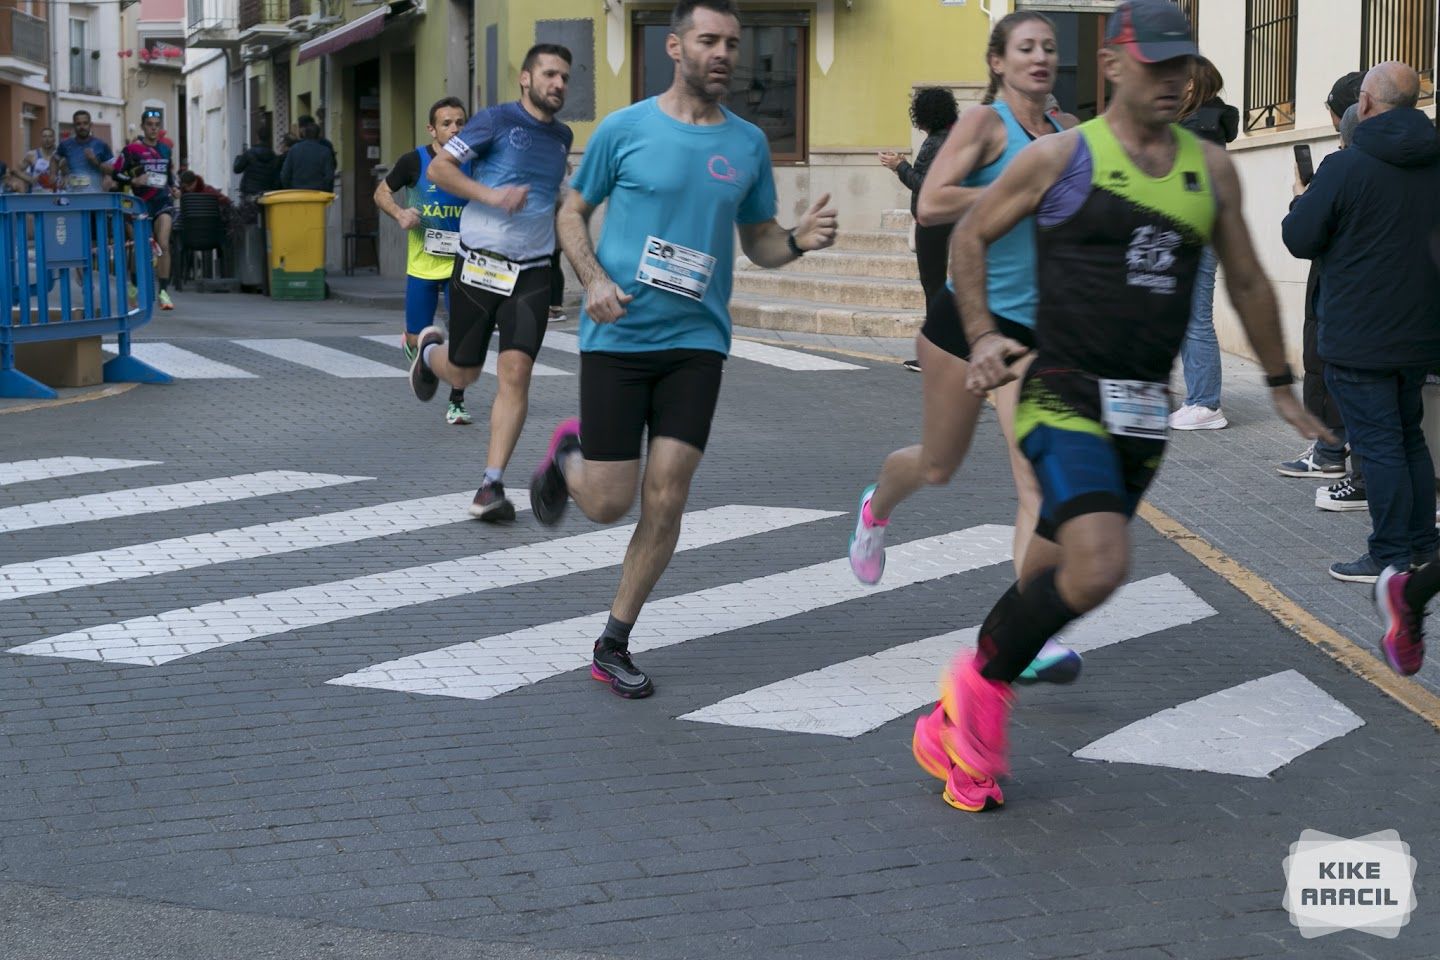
794,247
1285,379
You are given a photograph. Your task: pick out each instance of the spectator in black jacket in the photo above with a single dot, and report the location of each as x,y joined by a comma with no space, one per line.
1204,114
1325,459
310,164
933,111
259,167
1367,217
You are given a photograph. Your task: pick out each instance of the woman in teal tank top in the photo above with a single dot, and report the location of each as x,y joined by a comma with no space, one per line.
1023,60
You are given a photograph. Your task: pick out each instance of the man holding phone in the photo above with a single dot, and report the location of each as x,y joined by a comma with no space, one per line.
1366,219
1325,461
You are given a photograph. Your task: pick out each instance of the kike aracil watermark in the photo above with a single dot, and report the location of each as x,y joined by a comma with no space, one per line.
1332,883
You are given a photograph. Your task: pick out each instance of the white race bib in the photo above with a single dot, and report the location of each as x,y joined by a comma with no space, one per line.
442,243
489,273
156,180
77,180
1135,408
669,266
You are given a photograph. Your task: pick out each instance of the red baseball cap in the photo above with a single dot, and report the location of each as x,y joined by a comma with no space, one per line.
1156,30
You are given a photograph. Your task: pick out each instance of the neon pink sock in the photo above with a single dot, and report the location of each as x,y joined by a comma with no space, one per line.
869,517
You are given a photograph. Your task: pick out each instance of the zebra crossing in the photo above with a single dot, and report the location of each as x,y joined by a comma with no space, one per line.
196,360
848,698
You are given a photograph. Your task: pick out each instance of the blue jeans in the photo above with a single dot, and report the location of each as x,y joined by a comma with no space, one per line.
1200,351
1383,410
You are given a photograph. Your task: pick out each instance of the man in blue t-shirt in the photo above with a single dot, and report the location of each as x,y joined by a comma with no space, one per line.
680,172
501,277
83,158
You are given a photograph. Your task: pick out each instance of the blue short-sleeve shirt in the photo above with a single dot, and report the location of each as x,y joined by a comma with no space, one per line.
684,184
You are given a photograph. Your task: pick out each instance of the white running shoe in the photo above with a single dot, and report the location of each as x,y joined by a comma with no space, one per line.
867,545
1194,417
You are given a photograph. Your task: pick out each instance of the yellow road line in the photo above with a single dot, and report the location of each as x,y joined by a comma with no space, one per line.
1349,654
111,391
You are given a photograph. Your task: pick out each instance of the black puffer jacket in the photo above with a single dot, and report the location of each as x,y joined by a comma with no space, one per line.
1215,120
259,169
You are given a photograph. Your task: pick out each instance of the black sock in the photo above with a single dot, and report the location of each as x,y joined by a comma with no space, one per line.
1424,584
617,630
457,396
164,283
1019,625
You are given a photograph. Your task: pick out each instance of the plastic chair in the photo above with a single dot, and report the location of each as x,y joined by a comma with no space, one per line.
361,228
202,231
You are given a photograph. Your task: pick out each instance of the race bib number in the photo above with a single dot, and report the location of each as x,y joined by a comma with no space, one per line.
155,180
77,180
442,243
1134,408
669,266
489,273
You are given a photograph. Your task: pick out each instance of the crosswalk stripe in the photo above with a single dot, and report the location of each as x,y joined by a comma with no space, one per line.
336,363
786,359
482,669
564,342
172,496
857,696
183,364
1249,730
491,367
49,468
54,574
168,636
745,349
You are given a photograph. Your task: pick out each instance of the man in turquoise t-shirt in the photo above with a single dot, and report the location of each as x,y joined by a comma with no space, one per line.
680,173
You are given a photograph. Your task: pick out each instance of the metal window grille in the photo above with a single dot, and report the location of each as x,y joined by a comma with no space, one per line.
1401,30
1270,38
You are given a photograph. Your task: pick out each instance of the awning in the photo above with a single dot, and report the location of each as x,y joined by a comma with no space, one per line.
364,28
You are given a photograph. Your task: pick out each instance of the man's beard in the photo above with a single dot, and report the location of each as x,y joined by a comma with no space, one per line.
696,77
539,102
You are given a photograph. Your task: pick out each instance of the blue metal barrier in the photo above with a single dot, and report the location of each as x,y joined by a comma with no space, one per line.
49,242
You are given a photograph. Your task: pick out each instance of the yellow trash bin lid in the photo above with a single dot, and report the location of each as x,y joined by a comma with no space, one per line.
296,196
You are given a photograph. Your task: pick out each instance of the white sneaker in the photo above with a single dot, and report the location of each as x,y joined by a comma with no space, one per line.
1192,417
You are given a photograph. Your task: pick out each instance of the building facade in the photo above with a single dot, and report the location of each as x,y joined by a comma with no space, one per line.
25,92
87,67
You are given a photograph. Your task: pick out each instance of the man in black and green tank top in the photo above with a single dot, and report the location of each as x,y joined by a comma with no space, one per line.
1123,205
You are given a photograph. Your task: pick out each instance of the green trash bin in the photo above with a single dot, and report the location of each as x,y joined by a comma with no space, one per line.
295,227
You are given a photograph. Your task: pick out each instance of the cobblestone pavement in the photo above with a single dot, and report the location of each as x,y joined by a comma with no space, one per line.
222,701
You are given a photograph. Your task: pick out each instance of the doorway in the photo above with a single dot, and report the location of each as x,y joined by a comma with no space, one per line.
365,147
1080,86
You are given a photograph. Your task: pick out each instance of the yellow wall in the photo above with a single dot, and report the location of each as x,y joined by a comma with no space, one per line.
882,49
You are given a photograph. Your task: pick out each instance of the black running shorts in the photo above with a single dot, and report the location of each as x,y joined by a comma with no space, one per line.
475,313
671,392
944,329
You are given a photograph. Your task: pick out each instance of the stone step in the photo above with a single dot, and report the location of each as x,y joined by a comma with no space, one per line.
804,316
873,241
895,220
827,290
888,266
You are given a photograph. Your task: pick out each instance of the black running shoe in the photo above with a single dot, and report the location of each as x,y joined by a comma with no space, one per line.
548,491
491,504
612,665
422,381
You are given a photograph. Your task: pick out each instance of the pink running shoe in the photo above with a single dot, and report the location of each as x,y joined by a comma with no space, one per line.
1404,644
971,794
978,711
926,744
548,490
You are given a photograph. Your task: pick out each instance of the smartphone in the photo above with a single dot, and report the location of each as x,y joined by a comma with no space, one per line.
1304,164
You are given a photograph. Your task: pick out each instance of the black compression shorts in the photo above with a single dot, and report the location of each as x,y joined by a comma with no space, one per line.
522,316
673,393
944,329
